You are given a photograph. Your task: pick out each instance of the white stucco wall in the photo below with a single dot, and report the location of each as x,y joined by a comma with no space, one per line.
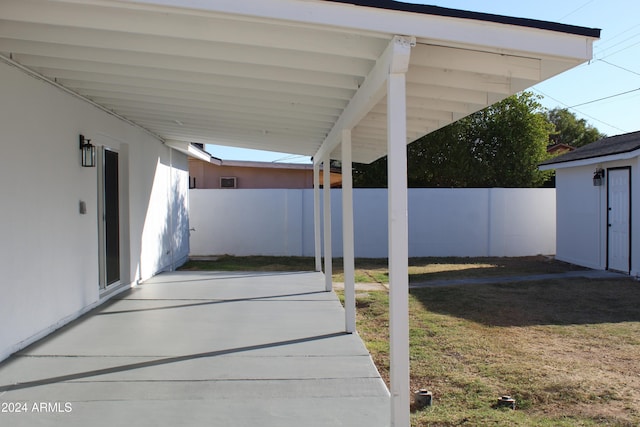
442,222
49,251
581,212
582,215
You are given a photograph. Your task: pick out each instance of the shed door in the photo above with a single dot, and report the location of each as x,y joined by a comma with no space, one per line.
618,219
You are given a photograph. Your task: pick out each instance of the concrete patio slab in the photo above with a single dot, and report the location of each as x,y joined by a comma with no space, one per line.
201,349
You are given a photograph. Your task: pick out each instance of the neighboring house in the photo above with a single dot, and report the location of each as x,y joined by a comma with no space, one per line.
558,149
596,187
217,173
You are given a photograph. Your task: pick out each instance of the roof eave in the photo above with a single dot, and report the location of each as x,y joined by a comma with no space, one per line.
189,149
478,16
590,160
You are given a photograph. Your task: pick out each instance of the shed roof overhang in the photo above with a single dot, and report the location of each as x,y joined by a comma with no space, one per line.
596,160
281,75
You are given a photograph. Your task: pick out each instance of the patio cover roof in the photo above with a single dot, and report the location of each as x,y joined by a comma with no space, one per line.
282,75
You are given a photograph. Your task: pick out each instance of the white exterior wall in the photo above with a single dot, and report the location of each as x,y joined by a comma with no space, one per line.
49,251
581,213
582,216
442,222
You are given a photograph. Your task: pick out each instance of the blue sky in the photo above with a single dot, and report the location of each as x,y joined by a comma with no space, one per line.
605,92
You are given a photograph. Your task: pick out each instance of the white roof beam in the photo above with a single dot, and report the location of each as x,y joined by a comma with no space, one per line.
203,107
419,112
443,104
368,95
375,123
214,129
459,79
180,48
194,24
188,116
475,61
303,133
222,128
429,91
194,65
197,114
41,62
251,140
321,105
258,106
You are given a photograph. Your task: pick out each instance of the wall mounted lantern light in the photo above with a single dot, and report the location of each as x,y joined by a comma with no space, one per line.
598,177
88,153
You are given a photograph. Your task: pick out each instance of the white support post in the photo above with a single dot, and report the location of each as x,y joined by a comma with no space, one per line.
328,266
316,216
398,235
347,234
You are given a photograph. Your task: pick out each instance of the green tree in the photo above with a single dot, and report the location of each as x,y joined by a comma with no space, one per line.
570,130
500,146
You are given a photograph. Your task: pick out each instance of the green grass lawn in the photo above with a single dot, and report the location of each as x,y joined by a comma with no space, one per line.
568,351
376,270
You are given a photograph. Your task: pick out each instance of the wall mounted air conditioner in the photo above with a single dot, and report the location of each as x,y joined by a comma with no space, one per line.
228,182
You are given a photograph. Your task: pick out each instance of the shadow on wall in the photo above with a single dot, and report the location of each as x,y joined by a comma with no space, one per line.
553,302
180,234
165,235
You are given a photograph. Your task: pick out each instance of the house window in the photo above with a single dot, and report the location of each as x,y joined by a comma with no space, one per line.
228,182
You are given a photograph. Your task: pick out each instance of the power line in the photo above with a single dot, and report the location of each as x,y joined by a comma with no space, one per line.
618,66
578,111
621,50
574,11
606,97
604,49
603,98
620,34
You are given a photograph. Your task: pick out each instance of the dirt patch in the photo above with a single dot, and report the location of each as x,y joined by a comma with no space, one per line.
363,286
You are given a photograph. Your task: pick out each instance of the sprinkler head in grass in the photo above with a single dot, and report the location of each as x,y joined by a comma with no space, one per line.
507,402
423,397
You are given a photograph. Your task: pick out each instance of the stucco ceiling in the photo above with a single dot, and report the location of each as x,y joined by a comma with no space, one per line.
278,74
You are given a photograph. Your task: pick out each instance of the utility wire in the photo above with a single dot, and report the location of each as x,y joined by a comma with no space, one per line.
603,98
574,11
601,43
602,50
606,97
618,66
621,50
578,111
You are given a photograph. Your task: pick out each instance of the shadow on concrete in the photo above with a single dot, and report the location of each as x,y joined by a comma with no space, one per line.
163,361
206,276
204,303
546,302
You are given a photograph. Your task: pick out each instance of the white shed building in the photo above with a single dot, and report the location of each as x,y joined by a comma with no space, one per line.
596,188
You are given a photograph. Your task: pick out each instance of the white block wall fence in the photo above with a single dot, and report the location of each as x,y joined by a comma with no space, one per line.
442,222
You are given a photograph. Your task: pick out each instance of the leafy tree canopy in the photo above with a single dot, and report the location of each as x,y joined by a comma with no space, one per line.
500,146
570,130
